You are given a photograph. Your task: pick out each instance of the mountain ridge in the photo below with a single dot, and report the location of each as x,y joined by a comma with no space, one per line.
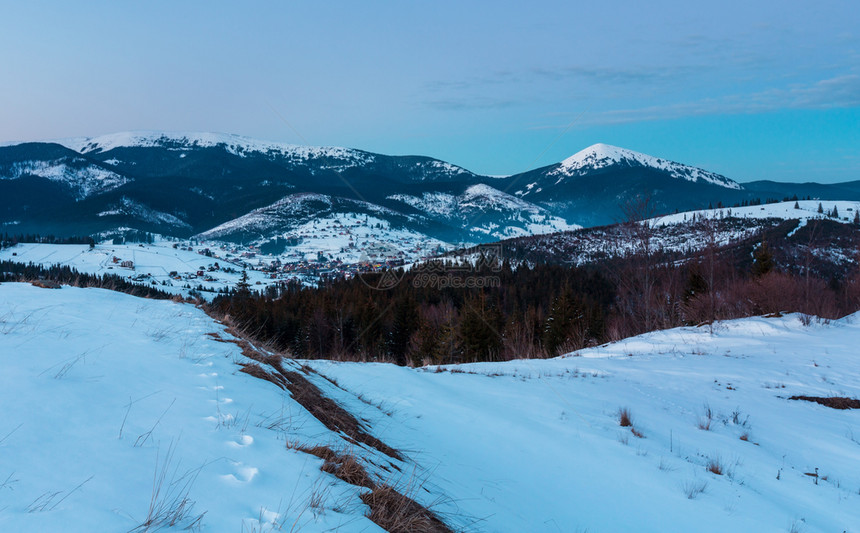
196,182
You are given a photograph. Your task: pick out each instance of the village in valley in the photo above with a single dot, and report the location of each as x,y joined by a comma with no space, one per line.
340,246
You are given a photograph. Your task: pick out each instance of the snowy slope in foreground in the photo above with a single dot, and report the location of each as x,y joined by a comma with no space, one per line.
102,390
536,445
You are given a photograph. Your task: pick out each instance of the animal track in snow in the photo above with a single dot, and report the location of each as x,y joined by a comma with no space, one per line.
241,441
243,474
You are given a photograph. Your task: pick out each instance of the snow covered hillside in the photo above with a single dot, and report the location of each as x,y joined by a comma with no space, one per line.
174,270
805,210
485,210
122,412
536,445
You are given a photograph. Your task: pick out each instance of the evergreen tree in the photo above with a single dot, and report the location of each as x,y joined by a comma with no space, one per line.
560,324
696,285
763,260
480,329
857,216
243,287
796,205
405,323
820,209
835,212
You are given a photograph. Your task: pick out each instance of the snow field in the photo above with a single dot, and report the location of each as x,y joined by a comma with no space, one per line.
104,393
535,445
152,262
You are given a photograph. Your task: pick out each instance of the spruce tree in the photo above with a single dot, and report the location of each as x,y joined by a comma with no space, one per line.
763,260
480,329
243,288
405,323
560,323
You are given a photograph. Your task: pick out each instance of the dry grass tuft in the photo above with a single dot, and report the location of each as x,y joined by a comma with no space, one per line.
715,466
705,420
341,464
347,468
637,433
396,513
258,372
624,418
694,488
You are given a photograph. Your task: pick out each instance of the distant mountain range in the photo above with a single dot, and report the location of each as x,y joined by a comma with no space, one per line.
234,188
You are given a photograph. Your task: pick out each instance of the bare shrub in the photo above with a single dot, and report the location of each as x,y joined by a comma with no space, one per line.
706,419
694,488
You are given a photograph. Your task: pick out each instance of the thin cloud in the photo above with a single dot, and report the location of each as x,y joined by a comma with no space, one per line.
469,103
837,92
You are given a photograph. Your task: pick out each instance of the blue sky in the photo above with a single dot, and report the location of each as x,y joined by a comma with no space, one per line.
763,91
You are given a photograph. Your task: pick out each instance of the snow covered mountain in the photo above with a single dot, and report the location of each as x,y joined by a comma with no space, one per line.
592,186
67,171
599,156
182,184
482,209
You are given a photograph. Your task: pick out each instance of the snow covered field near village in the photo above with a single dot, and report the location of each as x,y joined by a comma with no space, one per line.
115,405
153,264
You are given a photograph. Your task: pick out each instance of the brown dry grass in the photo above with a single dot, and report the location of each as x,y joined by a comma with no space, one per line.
332,415
396,513
324,409
834,402
389,508
349,469
624,418
715,466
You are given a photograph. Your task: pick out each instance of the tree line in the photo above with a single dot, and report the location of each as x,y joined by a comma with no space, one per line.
538,310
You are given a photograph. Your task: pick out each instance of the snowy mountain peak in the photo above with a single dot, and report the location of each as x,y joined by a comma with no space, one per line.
235,144
598,156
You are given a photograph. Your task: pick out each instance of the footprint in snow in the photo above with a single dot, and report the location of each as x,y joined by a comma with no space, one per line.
243,474
241,441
